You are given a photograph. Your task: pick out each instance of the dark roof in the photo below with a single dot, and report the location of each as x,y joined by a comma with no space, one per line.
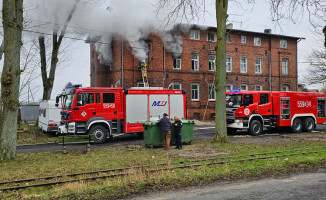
250,32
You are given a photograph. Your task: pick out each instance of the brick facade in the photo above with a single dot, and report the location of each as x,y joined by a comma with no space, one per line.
111,76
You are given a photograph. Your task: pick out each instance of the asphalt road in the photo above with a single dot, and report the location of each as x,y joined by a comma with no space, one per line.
299,186
200,133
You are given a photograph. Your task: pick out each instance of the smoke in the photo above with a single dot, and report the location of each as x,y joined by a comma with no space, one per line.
104,50
173,43
132,20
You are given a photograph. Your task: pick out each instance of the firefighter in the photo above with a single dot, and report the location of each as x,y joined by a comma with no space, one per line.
177,125
166,130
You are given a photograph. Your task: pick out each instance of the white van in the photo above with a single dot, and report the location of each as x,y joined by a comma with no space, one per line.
49,116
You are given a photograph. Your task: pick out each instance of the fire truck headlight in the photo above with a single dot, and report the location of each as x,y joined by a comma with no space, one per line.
238,121
71,127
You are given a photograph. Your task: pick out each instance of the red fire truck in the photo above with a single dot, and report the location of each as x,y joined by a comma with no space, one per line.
256,110
107,112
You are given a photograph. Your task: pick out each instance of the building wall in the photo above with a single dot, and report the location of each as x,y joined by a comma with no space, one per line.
160,60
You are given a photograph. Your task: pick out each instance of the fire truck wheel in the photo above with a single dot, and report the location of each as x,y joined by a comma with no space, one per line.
308,124
297,125
255,128
99,132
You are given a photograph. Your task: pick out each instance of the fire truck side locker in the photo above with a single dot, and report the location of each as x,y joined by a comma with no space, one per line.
150,105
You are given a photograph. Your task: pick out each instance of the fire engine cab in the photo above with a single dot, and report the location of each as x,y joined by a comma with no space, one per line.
107,112
256,110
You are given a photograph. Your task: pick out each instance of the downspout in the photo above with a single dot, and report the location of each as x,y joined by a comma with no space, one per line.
279,71
270,63
164,72
122,85
296,55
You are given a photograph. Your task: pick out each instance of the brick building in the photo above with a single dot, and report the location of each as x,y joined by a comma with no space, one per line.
255,61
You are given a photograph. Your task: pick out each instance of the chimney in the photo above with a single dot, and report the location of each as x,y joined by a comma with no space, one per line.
229,26
268,31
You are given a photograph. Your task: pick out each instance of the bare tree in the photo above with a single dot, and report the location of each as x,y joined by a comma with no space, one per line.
182,9
57,38
317,70
29,68
12,20
294,10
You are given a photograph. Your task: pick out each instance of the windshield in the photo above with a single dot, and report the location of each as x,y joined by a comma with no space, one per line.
233,101
68,99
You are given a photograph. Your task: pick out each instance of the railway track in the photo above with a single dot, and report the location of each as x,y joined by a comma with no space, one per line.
147,169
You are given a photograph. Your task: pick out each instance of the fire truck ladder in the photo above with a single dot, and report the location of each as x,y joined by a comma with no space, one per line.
143,69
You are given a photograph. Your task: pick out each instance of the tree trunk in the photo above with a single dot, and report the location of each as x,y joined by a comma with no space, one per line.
220,76
12,15
56,42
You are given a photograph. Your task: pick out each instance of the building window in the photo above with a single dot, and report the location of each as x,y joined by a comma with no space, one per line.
244,87
285,66
195,61
194,35
258,87
229,87
283,43
257,41
211,62
285,88
195,91
177,86
243,64
176,63
243,39
140,84
258,64
211,37
228,38
228,63
211,92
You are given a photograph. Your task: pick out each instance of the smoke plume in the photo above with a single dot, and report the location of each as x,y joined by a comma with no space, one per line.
131,20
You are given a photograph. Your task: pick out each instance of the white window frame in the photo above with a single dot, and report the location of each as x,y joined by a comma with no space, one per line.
258,66
230,85
194,35
194,62
228,38
260,87
194,92
244,85
257,41
243,39
179,85
211,62
209,39
283,44
230,63
180,61
285,68
243,65
211,92
140,84
285,88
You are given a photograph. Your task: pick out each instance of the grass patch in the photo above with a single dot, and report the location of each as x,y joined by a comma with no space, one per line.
26,136
49,164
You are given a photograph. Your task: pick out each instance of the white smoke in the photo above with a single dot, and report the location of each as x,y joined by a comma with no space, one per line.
104,50
173,43
132,20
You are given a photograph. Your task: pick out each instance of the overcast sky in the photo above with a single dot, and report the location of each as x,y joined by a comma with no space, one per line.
252,18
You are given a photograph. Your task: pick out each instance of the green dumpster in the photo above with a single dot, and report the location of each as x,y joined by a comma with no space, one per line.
152,134
187,131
